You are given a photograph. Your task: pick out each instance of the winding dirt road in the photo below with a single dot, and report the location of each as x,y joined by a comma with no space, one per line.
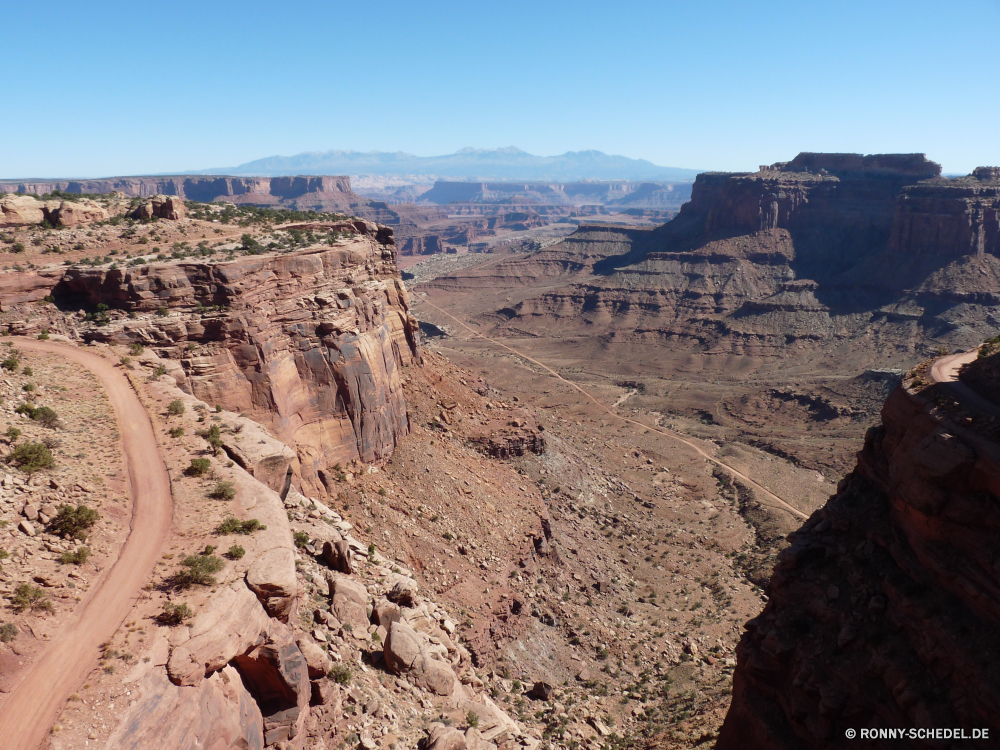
31,708
767,496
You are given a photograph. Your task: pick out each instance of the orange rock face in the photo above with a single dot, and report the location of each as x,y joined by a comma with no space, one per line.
310,343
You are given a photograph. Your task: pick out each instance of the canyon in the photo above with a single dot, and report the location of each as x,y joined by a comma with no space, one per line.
646,413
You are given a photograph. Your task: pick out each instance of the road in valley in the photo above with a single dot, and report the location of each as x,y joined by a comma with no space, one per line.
32,706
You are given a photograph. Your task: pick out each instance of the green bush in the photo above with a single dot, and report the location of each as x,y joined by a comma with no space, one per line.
198,467
8,632
17,247
301,539
198,570
28,598
44,335
176,407
44,415
11,363
31,457
159,371
235,552
162,312
78,557
175,614
223,491
74,522
472,719
176,432
13,433
27,372
340,673
236,526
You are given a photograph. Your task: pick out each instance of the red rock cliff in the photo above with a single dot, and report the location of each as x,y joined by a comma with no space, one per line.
309,343
885,610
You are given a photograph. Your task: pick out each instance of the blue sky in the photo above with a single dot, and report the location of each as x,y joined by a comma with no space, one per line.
103,88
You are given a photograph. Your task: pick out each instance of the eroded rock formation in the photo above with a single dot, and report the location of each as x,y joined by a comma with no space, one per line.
308,343
23,210
883,612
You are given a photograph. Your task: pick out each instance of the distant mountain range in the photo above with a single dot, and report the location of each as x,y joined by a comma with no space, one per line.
473,164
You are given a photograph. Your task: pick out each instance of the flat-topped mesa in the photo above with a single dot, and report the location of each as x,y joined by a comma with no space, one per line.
950,218
309,343
836,207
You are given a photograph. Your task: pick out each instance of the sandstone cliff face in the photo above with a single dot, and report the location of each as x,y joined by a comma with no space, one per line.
884,611
802,258
19,211
309,343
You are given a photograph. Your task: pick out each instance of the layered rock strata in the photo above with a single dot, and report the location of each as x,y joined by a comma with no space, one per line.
802,258
883,612
20,211
308,343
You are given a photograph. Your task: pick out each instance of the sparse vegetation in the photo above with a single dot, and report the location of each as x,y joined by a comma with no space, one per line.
28,598
31,457
175,408
8,632
198,570
74,523
175,614
223,491
341,674
235,552
77,557
301,539
198,467
236,526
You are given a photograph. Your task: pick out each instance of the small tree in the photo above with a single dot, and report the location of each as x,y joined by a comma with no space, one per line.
176,407
28,598
198,467
198,570
175,614
223,491
74,523
31,457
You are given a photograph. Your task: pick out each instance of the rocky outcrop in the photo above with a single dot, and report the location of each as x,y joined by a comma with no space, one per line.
309,343
160,207
883,612
805,258
19,211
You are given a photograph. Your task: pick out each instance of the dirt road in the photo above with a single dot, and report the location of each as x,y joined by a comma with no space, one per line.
764,495
27,713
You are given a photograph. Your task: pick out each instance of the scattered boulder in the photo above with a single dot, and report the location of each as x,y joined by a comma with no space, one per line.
540,691
27,528
406,652
75,213
160,206
385,613
19,211
317,662
403,592
350,602
440,737
30,512
338,556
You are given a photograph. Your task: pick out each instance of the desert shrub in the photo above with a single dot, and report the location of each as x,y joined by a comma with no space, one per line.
176,407
223,491
27,372
159,371
74,522
44,335
175,614
136,349
235,552
198,467
472,719
198,570
236,526
31,457
176,432
17,247
77,557
340,673
11,363
126,361
8,632
44,415
162,312
13,433
28,598
301,539
28,387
